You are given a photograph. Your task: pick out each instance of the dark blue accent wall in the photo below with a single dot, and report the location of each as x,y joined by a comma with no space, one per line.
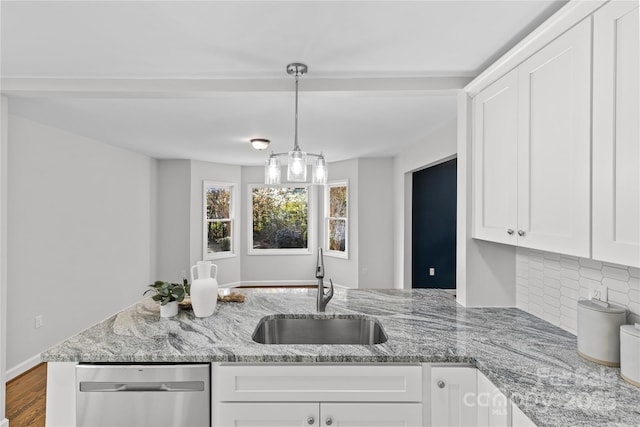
434,226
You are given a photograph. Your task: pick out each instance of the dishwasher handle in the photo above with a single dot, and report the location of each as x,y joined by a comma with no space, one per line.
178,386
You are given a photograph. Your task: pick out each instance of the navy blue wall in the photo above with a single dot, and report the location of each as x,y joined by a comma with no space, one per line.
434,226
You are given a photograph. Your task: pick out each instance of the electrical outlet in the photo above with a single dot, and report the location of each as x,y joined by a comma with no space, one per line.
432,271
39,321
598,292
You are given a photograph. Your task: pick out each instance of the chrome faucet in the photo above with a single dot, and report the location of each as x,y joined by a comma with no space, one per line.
323,299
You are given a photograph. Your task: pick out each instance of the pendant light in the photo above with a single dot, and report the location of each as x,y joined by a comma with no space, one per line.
296,158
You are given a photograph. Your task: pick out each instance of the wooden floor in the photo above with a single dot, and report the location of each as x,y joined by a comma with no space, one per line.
26,398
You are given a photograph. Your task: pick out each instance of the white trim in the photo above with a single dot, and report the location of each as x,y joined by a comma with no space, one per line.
311,220
4,142
4,422
233,202
23,367
561,21
325,228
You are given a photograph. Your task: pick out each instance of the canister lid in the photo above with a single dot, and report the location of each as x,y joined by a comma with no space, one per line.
604,307
633,330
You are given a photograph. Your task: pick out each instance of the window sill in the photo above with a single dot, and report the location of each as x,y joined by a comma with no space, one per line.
261,252
221,255
337,254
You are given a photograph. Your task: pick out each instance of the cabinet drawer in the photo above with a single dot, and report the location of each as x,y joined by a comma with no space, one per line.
305,383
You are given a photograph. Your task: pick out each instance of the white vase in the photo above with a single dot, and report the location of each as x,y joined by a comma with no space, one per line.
170,309
204,288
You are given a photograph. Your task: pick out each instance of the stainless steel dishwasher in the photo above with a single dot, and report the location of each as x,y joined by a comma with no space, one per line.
158,395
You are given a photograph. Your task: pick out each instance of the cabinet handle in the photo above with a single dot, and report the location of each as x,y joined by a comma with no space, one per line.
440,384
510,232
329,421
520,233
311,421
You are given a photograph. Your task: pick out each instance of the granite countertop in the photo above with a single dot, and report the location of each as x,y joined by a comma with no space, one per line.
531,361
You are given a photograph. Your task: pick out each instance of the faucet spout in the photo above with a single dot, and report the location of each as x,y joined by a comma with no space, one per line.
323,299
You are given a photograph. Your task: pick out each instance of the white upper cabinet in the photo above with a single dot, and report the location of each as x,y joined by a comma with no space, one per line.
616,135
531,142
554,145
495,169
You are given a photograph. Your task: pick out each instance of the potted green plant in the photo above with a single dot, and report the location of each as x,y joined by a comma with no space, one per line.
169,295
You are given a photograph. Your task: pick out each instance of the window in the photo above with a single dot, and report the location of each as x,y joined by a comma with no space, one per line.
336,219
219,223
280,220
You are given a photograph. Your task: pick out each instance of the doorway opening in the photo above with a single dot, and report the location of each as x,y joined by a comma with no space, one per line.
433,227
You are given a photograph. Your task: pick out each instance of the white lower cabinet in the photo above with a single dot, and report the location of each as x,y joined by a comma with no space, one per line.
519,419
384,395
283,395
494,409
291,414
272,414
453,396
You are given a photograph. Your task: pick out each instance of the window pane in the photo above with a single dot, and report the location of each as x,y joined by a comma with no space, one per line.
280,218
218,236
338,202
337,235
218,203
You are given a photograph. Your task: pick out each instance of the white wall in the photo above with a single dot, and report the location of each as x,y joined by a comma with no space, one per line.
485,271
441,145
342,271
172,208
78,234
273,268
375,222
549,285
228,268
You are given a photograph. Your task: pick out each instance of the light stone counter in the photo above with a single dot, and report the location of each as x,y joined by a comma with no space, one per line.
529,360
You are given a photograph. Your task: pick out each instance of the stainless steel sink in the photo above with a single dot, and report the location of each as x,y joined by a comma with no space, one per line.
310,329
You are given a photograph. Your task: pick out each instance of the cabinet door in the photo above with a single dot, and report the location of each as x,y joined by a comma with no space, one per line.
453,396
616,135
554,145
267,415
493,405
495,162
371,415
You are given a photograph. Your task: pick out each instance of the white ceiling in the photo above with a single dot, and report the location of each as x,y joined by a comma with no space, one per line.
241,45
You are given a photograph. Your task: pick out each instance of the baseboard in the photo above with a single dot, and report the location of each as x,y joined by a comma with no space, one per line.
22,368
4,423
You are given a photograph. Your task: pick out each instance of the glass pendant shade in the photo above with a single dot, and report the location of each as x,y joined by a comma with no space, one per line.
320,171
272,171
297,166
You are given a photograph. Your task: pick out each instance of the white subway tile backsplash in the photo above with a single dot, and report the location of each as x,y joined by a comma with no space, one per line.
590,273
549,285
616,285
616,273
590,263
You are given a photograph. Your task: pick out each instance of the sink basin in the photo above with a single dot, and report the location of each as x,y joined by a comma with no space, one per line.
311,329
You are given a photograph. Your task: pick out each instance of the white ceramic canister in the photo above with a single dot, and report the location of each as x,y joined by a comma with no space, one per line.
599,331
204,288
630,353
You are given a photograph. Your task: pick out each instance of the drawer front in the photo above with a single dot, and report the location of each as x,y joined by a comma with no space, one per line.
332,383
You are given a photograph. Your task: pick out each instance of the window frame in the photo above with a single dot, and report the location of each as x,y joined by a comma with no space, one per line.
327,189
311,221
232,219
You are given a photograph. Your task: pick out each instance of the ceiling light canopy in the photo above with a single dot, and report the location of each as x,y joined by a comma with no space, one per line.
259,143
296,159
